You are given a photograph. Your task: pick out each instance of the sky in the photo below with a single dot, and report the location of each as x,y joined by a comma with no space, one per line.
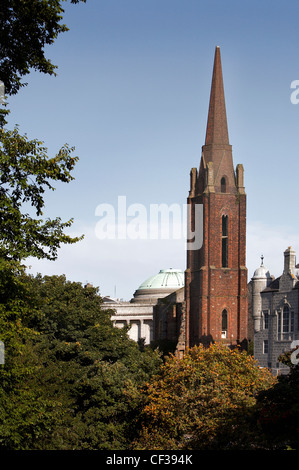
131,95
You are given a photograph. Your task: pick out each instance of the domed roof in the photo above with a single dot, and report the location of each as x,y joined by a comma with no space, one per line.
262,272
160,285
165,279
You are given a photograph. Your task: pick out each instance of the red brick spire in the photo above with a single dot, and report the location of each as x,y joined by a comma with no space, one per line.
217,131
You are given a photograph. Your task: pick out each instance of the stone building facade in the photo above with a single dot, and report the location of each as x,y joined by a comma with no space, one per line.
137,314
275,307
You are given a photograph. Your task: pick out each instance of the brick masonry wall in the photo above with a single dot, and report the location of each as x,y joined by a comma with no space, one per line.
210,288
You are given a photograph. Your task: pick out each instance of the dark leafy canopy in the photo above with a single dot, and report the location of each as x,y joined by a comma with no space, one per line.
25,411
278,409
74,383
26,172
26,27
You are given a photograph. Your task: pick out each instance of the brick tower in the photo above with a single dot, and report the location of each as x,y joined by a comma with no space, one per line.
216,274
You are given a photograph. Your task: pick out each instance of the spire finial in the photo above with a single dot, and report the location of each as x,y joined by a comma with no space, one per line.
262,260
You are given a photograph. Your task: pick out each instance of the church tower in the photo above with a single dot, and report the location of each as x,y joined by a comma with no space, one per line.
216,274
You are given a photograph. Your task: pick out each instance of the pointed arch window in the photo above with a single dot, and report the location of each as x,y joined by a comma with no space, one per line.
223,184
224,324
224,242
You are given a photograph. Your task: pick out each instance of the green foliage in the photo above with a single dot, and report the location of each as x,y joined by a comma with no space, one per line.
26,27
202,401
277,412
70,379
25,411
73,381
75,385
26,172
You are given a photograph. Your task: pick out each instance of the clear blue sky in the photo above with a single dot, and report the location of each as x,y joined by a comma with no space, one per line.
132,96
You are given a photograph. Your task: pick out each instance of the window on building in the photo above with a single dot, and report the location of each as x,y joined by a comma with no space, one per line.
224,240
292,321
265,347
266,319
286,323
286,319
279,322
224,324
223,184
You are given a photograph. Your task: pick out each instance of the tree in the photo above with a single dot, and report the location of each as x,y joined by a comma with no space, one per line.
203,401
26,412
277,413
26,27
84,371
26,172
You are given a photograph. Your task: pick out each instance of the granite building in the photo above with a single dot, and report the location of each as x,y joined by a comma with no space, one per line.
275,307
137,313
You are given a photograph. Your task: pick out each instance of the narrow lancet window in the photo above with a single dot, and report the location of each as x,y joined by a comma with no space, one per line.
224,253
224,324
286,319
223,184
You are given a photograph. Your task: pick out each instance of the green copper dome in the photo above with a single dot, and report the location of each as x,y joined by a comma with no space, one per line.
165,279
158,286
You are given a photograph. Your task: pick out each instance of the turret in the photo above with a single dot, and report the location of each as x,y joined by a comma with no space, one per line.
260,280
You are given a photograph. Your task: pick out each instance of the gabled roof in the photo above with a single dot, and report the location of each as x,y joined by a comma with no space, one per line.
273,286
